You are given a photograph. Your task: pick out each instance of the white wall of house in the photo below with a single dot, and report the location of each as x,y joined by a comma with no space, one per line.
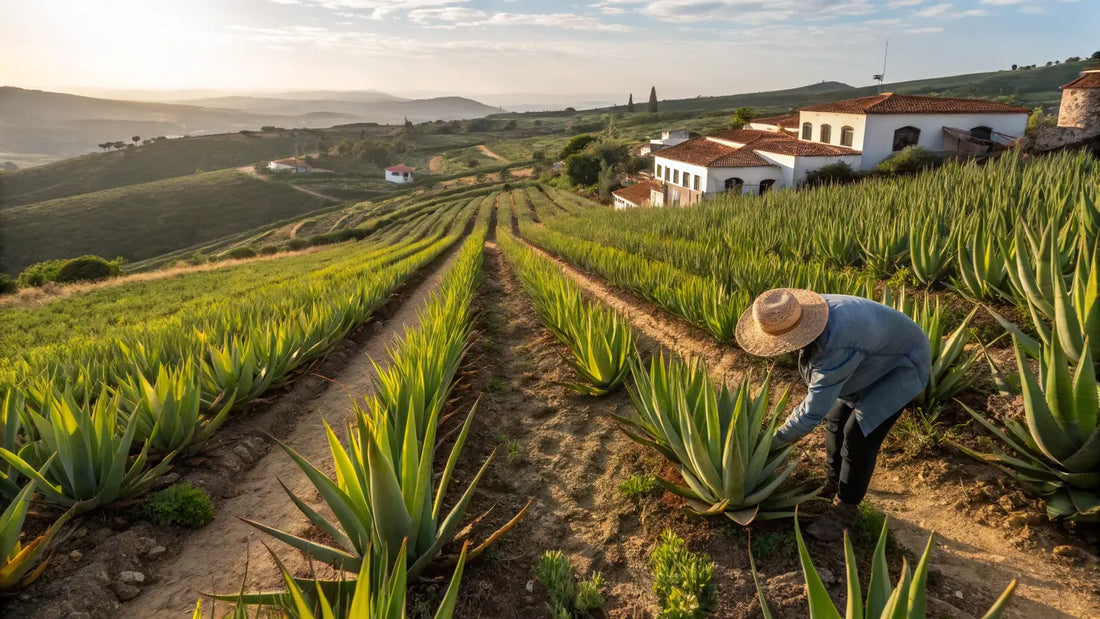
399,177
837,122
750,178
805,165
623,203
879,133
687,173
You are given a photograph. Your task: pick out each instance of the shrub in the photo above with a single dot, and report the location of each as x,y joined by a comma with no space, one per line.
7,284
180,505
832,174
39,273
909,160
576,145
582,169
268,250
241,253
87,269
682,580
339,236
297,244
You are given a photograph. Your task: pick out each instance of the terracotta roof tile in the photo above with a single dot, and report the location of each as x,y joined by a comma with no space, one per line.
711,154
637,193
789,121
400,168
741,158
892,103
802,149
748,136
1089,79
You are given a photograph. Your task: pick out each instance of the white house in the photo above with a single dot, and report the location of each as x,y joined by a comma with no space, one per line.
881,125
635,195
294,166
400,174
669,137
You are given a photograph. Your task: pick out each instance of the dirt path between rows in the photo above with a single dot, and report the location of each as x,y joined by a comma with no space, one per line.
488,153
215,556
975,560
435,164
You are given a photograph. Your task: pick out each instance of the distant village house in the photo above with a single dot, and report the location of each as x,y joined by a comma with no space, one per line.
668,138
294,166
400,174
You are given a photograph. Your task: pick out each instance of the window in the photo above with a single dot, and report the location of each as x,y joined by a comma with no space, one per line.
659,169
697,177
676,177
668,174
687,180
826,133
847,134
982,133
765,185
906,136
807,131
734,185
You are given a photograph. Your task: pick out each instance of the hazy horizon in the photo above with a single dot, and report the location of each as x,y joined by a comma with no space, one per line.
515,51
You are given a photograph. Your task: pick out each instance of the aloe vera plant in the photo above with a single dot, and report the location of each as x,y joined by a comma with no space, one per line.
930,252
981,267
721,442
1057,445
169,412
21,564
92,466
907,600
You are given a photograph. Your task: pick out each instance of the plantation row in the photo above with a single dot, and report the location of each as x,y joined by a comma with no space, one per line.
92,421
1050,276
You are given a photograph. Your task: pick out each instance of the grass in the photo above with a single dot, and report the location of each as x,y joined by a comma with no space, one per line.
142,221
641,485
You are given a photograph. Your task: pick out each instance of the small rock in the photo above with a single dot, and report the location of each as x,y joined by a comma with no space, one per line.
24,597
81,532
1065,551
826,575
959,594
156,551
1015,521
126,592
197,461
76,555
242,452
130,578
166,480
530,586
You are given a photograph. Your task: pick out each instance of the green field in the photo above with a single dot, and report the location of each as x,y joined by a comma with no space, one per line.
146,220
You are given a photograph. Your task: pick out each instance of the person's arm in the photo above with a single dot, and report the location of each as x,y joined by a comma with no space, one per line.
827,377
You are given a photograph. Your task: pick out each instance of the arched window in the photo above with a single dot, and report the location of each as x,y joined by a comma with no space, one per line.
765,185
807,131
847,135
734,185
826,133
906,136
982,132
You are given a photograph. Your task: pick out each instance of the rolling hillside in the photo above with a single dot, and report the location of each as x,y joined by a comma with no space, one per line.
146,220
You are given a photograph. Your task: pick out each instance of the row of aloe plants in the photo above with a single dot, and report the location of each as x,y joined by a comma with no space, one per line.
86,436
389,519
601,343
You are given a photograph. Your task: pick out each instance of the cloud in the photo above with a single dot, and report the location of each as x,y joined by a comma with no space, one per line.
462,17
946,10
1003,2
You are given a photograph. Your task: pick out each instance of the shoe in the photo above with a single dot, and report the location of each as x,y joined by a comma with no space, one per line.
830,489
831,525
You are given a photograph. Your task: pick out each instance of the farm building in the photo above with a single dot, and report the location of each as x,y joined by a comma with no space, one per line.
635,195
295,166
400,174
1078,115
669,137
778,152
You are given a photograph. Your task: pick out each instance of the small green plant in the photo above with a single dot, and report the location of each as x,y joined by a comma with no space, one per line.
682,580
514,451
179,505
638,486
901,279
496,385
568,599
774,544
919,431
7,284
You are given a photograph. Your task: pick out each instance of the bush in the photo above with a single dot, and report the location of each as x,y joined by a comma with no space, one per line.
7,284
180,505
576,145
241,253
39,273
87,269
339,236
582,169
297,244
832,174
268,250
909,160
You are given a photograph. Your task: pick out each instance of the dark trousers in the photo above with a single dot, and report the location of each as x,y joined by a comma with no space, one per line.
851,456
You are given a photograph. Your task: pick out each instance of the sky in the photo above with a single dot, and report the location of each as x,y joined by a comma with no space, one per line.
500,50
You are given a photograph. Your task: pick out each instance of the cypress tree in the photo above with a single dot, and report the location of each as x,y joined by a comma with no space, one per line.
630,103
651,107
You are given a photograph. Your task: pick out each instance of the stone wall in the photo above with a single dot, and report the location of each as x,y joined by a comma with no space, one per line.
1080,108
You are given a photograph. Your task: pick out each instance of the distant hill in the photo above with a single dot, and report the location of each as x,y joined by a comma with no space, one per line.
146,220
1029,87
51,123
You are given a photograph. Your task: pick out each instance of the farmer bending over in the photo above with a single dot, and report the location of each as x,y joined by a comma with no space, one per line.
862,362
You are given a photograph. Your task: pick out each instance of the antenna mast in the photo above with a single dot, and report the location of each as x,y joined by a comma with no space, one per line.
882,76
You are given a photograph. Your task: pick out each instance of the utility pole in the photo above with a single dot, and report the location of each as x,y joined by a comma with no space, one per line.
882,76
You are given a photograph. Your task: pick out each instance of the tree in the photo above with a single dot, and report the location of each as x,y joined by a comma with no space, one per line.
742,116
1050,62
1095,56
582,169
1038,119
136,139
606,181
576,145
119,145
1014,67
1073,59
630,103
651,107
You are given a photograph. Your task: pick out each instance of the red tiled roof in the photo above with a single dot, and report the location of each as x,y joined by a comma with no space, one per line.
400,168
789,121
1088,79
748,136
707,153
802,149
638,193
892,103
291,161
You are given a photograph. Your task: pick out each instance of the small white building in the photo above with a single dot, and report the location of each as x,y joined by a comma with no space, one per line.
635,195
294,166
400,174
669,137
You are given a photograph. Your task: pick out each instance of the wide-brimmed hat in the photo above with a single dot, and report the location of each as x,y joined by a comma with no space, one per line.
781,321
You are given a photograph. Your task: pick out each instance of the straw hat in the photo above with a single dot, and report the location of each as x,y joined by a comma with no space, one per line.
781,321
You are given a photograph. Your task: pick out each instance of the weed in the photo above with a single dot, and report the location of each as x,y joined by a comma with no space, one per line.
179,505
638,486
512,448
496,385
901,279
568,599
682,580
868,527
780,544
919,431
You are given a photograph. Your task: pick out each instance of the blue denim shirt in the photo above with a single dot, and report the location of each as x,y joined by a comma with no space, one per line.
870,355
